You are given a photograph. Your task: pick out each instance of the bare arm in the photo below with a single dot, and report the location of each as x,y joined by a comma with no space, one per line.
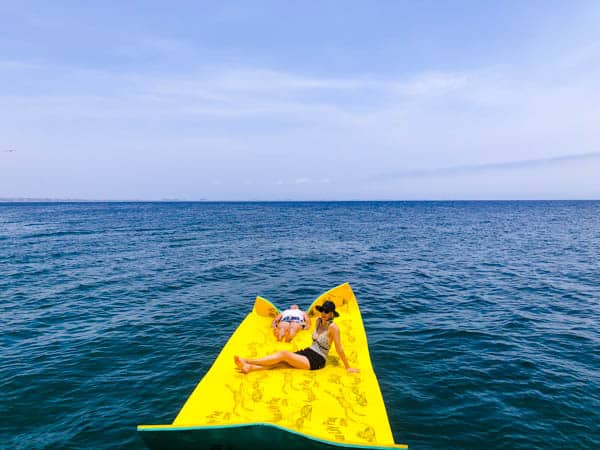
306,321
340,350
276,321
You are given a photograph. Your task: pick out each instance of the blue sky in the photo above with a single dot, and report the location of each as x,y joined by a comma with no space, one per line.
300,100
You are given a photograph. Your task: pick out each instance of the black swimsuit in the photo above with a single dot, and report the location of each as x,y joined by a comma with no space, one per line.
315,360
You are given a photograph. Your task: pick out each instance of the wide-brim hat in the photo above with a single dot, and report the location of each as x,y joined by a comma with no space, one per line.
328,307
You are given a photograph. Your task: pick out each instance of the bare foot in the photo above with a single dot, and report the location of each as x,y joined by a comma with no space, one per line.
247,367
239,361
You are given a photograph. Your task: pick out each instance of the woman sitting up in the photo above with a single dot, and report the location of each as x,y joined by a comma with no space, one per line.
311,358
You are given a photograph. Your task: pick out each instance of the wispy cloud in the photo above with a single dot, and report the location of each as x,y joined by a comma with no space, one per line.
13,64
482,168
303,181
307,180
302,127
430,84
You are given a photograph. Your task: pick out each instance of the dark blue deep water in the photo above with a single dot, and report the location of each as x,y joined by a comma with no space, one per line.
483,317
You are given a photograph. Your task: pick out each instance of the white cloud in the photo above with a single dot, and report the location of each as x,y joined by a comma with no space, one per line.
248,123
430,84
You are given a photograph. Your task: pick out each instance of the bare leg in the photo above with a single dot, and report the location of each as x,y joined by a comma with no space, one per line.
245,367
292,331
282,330
292,359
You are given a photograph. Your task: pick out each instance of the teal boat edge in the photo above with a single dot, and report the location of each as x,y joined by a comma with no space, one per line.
234,437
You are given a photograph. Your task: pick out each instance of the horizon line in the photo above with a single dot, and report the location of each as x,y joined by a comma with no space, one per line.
59,200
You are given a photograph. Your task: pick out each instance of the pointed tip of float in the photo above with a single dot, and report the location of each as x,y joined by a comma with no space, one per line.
264,307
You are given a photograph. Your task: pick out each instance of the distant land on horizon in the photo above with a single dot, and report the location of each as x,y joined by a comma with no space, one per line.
175,200
79,200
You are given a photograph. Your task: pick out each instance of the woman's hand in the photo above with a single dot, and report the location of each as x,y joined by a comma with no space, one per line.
352,370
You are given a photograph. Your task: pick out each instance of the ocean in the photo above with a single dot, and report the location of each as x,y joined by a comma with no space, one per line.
483,318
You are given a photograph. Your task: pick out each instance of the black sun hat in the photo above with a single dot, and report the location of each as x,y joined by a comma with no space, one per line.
328,307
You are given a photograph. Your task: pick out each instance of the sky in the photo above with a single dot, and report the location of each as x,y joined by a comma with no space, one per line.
323,100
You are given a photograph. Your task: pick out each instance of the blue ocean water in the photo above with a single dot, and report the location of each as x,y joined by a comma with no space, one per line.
482,317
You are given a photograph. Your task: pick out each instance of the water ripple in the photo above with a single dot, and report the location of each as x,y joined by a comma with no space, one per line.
482,317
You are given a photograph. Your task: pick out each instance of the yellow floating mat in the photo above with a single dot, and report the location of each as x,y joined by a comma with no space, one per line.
283,407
